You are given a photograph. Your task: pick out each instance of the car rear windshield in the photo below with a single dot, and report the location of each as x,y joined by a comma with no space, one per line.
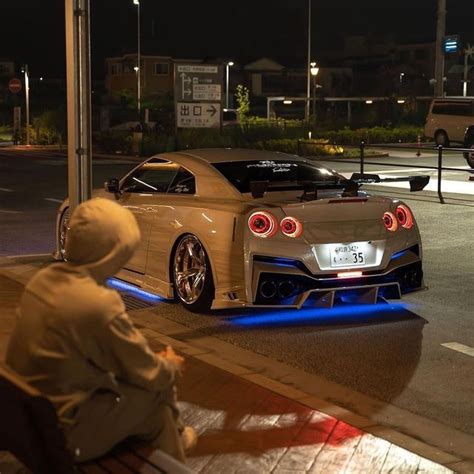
242,173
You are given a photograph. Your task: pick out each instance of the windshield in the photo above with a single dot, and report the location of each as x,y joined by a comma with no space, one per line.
284,172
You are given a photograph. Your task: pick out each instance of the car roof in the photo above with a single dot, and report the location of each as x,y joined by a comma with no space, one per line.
218,155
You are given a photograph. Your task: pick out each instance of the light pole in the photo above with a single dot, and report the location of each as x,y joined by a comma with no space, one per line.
227,67
314,72
137,3
24,70
468,53
308,84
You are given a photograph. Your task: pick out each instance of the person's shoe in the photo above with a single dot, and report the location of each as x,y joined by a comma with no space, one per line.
189,438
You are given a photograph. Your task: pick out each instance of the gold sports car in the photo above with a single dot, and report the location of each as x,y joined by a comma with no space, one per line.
227,228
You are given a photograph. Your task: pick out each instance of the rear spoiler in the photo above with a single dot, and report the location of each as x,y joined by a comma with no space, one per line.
349,186
417,183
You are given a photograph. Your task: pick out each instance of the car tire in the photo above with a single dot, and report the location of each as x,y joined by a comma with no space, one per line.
470,155
441,138
62,231
192,275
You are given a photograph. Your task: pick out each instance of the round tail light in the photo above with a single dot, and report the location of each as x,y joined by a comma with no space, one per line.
404,216
390,221
262,224
291,227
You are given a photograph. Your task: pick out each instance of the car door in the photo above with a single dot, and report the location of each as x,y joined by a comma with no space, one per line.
140,193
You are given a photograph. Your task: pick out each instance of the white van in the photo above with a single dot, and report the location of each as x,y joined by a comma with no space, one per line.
449,119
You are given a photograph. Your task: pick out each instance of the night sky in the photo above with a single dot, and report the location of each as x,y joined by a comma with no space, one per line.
32,31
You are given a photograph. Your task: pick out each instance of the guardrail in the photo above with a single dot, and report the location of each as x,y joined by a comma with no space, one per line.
439,149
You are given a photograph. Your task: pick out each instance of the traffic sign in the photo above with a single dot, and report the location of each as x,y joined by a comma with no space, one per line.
451,44
198,92
14,85
198,115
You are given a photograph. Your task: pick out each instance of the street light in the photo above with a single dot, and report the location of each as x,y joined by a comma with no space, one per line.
314,72
24,70
227,67
137,68
308,73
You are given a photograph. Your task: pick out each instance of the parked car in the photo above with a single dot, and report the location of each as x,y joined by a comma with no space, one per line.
448,119
229,228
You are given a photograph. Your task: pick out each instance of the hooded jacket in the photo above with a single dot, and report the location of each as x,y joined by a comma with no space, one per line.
73,336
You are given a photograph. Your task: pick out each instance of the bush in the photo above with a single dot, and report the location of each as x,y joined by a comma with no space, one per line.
114,141
307,148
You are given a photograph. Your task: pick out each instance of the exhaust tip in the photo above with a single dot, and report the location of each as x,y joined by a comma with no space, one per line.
268,289
286,289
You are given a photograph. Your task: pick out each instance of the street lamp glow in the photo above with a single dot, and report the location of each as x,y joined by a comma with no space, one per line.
136,2
400,101
136,68
369,102
287,102
314,69
228,65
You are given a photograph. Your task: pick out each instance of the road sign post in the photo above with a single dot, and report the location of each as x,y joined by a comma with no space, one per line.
198,95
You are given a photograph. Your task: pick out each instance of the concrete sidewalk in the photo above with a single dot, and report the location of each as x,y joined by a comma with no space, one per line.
248,423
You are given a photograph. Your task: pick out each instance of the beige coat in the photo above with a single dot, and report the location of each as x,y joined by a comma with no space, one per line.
75,343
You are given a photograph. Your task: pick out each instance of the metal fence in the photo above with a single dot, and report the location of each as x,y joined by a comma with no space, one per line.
439,149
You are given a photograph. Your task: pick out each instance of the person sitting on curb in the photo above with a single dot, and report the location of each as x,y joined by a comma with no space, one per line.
75,343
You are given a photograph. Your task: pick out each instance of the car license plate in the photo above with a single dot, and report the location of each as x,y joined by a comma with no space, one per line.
348,255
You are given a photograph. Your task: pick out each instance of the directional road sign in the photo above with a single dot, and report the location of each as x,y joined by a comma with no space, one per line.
198,95
198,115
14,85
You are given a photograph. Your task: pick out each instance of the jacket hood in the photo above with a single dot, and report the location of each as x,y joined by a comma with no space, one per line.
102,237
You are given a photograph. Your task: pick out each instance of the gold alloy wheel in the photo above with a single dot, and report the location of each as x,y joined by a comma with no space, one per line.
190,269
63,228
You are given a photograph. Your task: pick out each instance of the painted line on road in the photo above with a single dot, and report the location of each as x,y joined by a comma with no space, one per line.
455,346
53,200
11,212
7,190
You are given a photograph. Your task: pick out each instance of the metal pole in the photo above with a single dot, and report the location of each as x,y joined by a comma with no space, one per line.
314,99
308,66
439,64
78,101
27,100
362,146
464,82
227,86
139,72
440,169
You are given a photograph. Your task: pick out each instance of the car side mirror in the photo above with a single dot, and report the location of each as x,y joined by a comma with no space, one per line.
112,185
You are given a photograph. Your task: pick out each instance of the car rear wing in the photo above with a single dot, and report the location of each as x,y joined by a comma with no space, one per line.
417,183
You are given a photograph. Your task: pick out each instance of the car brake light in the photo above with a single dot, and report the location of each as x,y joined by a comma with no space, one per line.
404,216
262,224
291,227
390,221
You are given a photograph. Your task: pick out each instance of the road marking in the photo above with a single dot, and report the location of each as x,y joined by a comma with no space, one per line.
53,200
11,212
455,346
7,190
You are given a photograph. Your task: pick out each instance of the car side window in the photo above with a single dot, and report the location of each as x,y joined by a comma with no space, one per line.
154,176
183,183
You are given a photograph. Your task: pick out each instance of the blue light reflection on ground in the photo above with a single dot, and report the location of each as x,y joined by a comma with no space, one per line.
307,315
133,290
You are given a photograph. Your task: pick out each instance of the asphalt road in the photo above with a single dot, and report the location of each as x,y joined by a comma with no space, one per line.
394,355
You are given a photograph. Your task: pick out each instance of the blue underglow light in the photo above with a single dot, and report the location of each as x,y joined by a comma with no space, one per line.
308,315
398,254
117,284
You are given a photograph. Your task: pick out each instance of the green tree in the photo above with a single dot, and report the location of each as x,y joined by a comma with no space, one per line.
243,101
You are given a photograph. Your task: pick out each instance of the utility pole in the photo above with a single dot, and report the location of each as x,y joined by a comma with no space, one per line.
439,58
78,101
308,65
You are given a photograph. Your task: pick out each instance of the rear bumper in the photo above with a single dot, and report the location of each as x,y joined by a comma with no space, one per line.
291,284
